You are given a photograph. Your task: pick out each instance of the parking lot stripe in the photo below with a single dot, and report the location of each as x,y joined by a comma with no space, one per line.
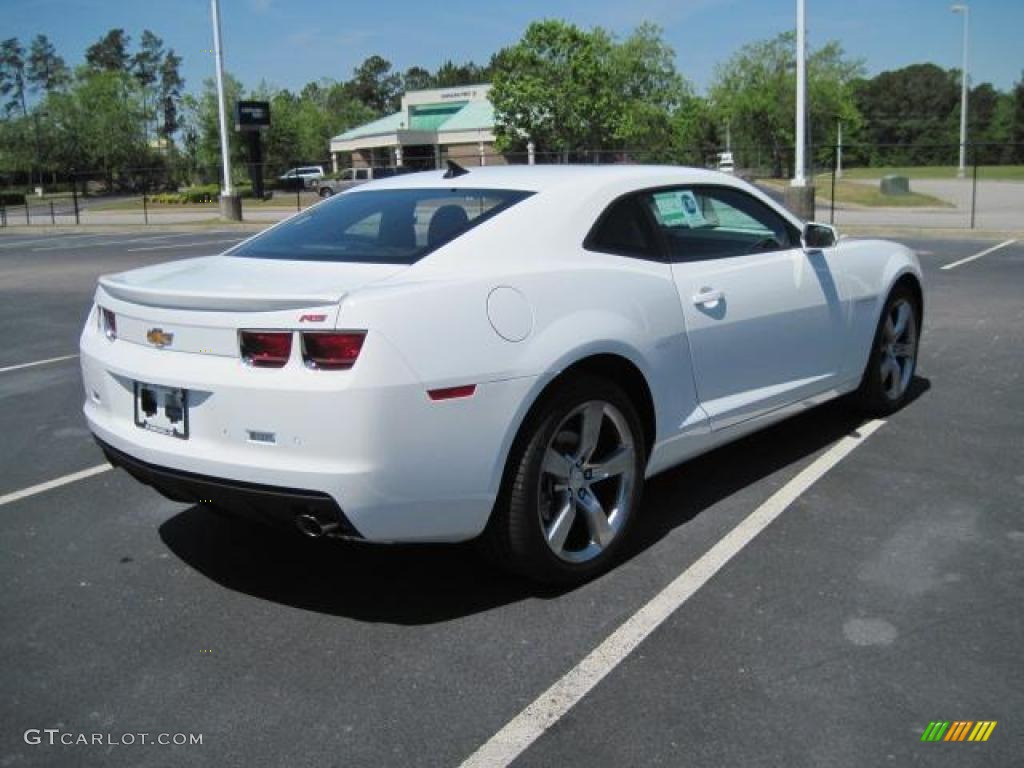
65,244
185,245
526,727
154,238
42,239
37,362
986,252
55,483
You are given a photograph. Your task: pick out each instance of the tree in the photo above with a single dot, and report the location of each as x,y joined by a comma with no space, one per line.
202,127
755,92
571,90
344,111
12,76
911,115
171,85
1017,120
302,125
46,71
145,68
450,74
374,84
109,53
650,91
696,133
417,79
96,123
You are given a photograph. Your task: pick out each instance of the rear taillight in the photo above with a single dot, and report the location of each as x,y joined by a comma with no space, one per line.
265,349
108,323
332,351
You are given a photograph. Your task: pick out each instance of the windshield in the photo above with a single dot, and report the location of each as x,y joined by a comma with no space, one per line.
393,226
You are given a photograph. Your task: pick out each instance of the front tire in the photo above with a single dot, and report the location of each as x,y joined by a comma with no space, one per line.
573,484
325,192
885,386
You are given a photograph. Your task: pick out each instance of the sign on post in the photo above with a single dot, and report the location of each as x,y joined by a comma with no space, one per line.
252,115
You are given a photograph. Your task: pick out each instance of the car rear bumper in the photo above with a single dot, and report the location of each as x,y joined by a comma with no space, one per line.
268,503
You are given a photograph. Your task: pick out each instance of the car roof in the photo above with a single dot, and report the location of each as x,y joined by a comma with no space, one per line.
537,178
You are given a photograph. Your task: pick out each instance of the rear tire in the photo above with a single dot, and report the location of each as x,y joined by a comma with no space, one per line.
572,485
885,385
325,192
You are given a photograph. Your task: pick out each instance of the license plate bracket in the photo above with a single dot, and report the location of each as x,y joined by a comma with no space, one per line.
162,409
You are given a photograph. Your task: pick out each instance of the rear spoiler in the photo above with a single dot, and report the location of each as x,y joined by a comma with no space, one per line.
213,300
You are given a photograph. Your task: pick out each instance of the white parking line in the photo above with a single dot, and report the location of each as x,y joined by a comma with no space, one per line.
51,484
185,245
63,245
512,740
986,252
154,238
37,362
43,239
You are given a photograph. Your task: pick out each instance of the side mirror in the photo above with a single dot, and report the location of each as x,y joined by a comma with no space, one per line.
816,236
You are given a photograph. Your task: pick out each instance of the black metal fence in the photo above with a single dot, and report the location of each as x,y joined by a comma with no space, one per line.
856,184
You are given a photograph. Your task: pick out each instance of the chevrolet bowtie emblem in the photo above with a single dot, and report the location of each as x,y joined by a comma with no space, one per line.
159,338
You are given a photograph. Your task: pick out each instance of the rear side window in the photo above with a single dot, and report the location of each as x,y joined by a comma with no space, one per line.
717,222
623,229
394,226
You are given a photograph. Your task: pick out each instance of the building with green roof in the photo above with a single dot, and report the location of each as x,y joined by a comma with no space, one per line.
433,126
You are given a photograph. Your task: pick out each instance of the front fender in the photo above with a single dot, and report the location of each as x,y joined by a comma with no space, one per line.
870,269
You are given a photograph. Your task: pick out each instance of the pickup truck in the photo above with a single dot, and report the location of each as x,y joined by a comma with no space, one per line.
353,177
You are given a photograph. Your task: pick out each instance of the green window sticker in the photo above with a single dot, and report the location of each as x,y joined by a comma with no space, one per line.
670,209
694,215
679,209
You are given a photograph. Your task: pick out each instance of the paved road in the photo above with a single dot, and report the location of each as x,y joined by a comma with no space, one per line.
999,206
886,596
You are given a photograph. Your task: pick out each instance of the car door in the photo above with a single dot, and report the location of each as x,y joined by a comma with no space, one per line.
763,316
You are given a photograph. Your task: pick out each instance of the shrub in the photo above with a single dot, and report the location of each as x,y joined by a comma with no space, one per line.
201,193
12,198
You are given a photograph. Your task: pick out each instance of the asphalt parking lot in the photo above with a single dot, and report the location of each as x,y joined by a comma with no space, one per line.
887,595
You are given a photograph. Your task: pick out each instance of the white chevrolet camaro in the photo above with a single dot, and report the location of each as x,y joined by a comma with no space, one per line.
504,353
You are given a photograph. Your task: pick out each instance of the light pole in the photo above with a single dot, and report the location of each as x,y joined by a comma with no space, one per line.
839,148
230,203
966,11
799,171
799,195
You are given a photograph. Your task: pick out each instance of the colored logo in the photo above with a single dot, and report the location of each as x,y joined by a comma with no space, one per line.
958,730
159,337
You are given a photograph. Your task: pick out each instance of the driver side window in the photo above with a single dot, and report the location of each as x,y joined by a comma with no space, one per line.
699,223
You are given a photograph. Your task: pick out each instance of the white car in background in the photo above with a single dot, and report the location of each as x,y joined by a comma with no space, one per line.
504,353
303,177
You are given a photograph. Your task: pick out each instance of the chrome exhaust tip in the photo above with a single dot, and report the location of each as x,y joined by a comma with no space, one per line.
312,526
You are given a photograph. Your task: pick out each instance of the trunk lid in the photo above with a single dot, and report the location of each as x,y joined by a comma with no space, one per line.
199,305
234,283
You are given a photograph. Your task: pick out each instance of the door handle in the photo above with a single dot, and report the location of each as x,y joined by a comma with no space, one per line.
708,296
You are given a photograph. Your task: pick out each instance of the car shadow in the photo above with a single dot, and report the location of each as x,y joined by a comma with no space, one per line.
677,496
425,584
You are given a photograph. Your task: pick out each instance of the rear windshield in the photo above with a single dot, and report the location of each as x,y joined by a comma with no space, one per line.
392,226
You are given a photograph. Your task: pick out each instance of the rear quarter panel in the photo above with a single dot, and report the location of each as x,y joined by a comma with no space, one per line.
580,303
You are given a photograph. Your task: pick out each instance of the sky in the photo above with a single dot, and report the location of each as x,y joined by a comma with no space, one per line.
291,42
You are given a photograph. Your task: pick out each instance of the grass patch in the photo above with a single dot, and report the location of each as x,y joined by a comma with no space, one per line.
286,202
986,172
867,195
871,196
